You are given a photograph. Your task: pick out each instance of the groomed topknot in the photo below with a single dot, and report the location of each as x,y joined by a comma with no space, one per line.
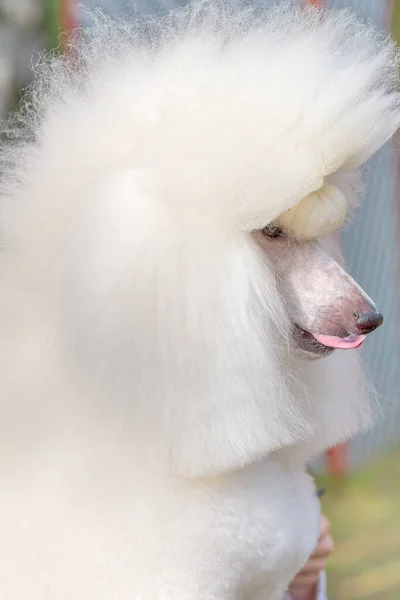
230,111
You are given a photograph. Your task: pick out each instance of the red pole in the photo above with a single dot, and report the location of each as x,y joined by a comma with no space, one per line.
338,461
67,17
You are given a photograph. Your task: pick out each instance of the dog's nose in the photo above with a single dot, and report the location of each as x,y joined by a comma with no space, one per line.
367,322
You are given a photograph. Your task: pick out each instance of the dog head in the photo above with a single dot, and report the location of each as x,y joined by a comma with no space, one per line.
326,307
169,194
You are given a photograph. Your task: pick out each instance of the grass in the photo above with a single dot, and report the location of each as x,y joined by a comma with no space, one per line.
365,514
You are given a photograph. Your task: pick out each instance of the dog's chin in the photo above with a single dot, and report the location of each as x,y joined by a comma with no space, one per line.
315,345
308,347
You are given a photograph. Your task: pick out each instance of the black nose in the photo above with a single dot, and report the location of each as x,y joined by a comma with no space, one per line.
367,322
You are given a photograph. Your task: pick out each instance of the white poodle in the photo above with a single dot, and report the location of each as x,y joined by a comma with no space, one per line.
163,291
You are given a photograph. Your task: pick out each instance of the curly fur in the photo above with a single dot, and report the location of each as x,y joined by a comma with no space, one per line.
155,419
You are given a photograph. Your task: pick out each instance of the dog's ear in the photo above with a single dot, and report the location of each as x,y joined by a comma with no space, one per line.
178,329
228,384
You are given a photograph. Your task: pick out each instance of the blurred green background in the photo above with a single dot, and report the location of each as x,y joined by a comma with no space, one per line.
364,509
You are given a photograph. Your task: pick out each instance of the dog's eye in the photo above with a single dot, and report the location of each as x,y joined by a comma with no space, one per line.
272,231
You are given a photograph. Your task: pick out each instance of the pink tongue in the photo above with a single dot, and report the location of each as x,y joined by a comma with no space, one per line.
341,343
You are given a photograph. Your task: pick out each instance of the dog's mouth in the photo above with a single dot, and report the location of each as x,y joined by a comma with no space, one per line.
325,344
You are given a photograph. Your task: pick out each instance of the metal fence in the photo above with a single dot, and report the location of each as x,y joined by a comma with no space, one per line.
371,248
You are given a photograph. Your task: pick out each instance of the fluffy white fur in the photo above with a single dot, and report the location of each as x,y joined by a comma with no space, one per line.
155,420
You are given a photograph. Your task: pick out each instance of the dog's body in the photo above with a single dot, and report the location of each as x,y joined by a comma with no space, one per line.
163,293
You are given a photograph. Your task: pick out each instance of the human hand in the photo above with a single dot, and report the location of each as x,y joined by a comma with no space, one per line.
305,584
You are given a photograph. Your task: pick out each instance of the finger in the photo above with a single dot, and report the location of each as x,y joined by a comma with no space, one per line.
305,580
324,548
324,526
313,567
